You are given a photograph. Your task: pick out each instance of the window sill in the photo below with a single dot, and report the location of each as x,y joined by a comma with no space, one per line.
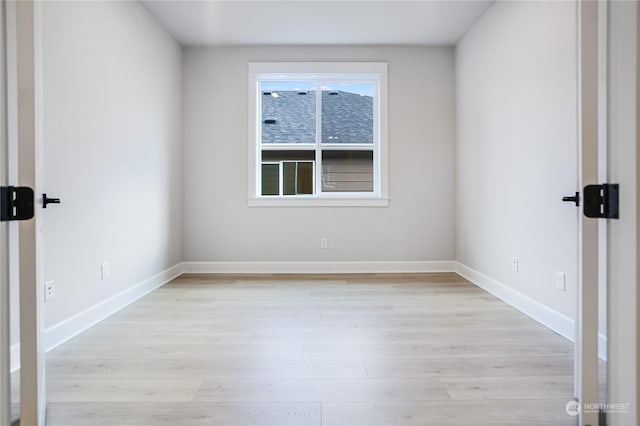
318,202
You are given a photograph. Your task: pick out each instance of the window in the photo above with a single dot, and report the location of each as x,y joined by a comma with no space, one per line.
317,134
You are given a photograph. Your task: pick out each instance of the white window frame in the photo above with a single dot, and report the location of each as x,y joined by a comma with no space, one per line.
374,72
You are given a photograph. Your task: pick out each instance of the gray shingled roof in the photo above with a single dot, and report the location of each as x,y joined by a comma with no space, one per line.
346,117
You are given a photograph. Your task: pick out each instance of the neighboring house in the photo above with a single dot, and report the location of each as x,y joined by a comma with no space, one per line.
289,117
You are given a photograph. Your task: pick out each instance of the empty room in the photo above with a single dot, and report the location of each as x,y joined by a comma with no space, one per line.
319,213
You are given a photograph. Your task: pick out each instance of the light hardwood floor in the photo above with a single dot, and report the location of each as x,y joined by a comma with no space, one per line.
352,350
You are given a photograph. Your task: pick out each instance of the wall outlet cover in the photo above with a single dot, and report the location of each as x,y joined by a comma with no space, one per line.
104,271
324,243
49,290
561,281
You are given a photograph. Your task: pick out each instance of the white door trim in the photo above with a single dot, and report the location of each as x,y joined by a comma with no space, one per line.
587,315
603,7
5,329
623,318
32,388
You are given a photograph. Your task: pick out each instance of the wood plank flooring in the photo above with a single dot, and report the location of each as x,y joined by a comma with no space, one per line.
335,350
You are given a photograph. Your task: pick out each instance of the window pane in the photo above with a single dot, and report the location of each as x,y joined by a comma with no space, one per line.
297,178
271,179
289,178
347,113
297,171
347,171
305,178
288,112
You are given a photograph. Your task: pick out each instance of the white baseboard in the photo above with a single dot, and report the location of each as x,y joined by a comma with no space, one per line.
556,321
550,318
318,267
76,324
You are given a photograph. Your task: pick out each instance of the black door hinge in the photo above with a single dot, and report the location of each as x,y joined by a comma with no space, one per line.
602,201
16,203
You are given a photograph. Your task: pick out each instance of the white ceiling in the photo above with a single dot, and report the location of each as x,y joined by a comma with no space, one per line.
308,22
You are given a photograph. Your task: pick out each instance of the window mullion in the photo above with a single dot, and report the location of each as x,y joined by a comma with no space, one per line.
318,171
376,141
280,178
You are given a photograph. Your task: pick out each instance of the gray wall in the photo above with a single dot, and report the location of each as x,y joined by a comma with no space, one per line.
517,148
112,136
419,223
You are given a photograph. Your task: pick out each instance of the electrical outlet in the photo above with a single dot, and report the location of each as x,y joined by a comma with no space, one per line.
514,264
49,290
324,243
104,271
561,281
